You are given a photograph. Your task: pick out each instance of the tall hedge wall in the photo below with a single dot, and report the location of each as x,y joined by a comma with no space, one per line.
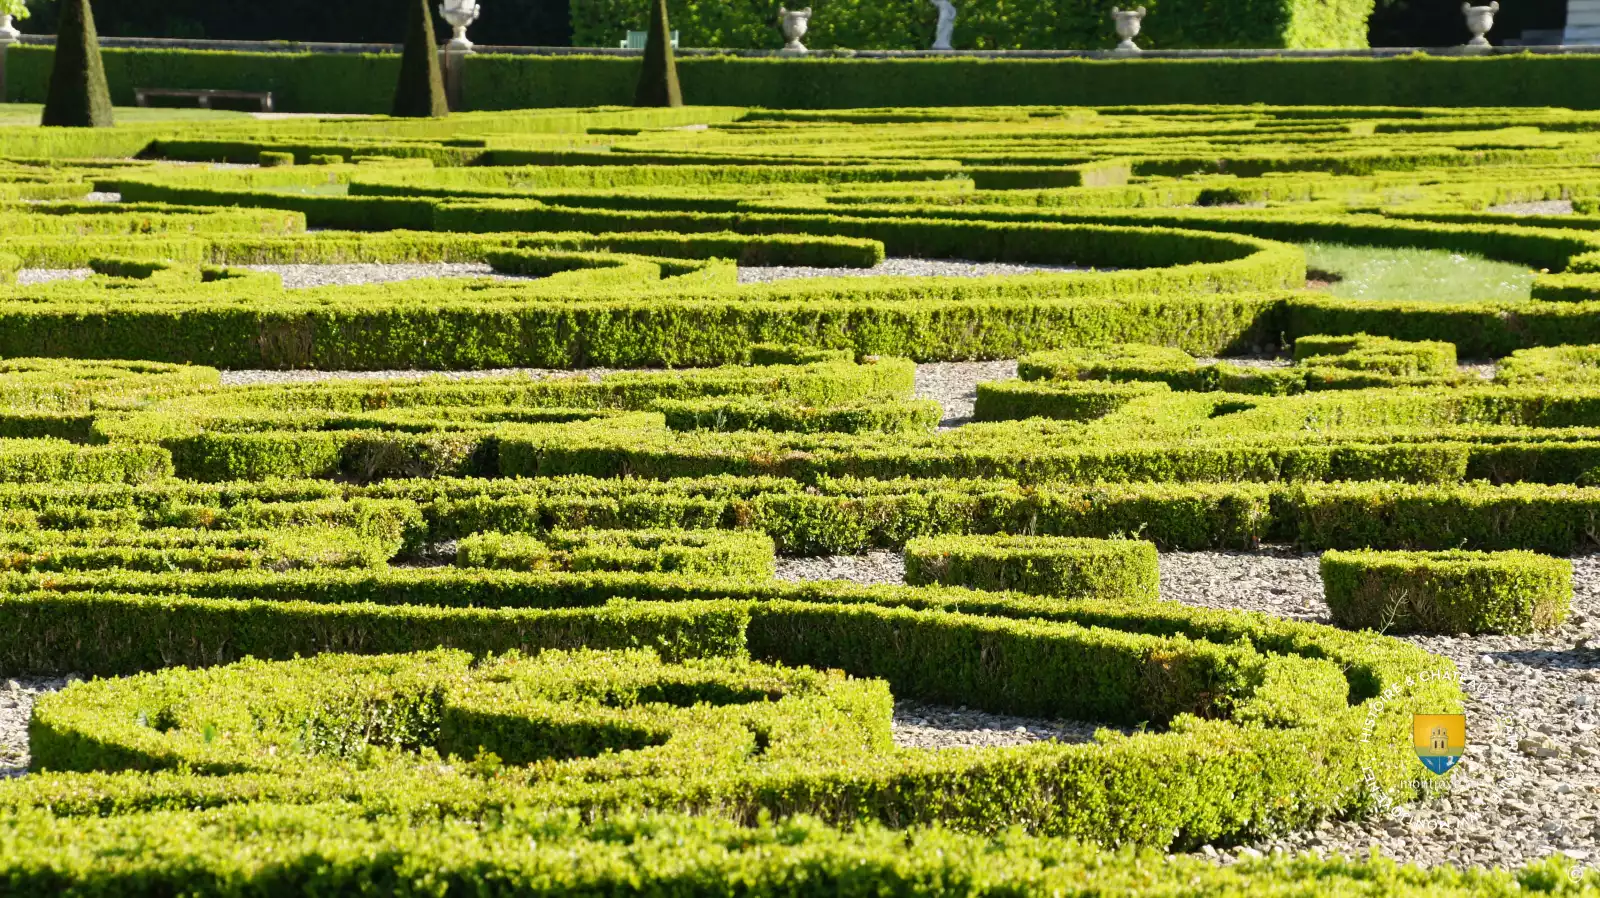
1017,25
300,82
364,83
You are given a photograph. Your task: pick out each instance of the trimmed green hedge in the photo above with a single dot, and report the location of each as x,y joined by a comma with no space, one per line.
709,553
506,82
1015,400
1447,592
1115,569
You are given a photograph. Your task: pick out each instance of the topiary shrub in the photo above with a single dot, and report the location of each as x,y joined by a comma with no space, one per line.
274,159
327,159
658,80
420,93
1447,592
1118,569
78,96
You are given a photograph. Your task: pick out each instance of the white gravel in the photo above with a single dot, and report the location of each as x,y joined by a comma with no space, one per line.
1279,582
102,196
1529,785
869,568
299,277
954,385
16,704
958,268
918,725
255,377
28,277
1543,207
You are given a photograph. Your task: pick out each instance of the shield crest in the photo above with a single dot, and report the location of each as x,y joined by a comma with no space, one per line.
1439,739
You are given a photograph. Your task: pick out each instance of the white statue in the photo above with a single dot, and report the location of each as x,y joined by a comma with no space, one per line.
1127,27
793,22
943,31
1479,20
460,14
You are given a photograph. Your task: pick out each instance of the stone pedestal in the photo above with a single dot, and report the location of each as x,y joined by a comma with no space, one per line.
8,36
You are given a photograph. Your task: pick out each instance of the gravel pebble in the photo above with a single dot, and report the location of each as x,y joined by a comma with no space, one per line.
870,568
1250,361
955,386
1280,582
918,725
1543,207
299,277
959,268
16,704
28,277
1529,785
254,377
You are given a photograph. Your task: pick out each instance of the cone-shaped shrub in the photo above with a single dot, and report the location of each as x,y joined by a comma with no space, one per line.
421,90
78,97
658,83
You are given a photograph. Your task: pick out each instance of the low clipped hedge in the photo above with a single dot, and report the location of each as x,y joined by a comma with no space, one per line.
1118,569
883,416
1233,702
709,553
1079,401
1447,592
297,848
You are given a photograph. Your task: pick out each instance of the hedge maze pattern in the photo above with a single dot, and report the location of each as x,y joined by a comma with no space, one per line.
519,633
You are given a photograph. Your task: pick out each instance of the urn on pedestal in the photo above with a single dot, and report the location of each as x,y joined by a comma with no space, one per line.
1127,21
1479,20
460,14
793,23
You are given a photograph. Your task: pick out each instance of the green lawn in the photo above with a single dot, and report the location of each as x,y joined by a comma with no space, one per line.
1375,272
28,114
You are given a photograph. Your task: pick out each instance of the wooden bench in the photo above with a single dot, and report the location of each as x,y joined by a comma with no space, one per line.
142,95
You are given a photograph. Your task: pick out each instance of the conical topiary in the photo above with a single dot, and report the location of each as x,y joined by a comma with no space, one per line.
421,90
658,83
78,97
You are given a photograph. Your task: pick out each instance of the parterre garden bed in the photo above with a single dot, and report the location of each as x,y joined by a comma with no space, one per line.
520,634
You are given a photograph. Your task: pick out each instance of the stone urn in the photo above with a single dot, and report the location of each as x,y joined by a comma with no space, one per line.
793,23
8,32
1127,21
1479,20
460,14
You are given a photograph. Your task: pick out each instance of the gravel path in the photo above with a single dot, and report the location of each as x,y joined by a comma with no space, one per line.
300,277
955,386
16,703
956,268
28,277
102,196
1529,785
253,377
870,568
1544,207
934,726
1280,582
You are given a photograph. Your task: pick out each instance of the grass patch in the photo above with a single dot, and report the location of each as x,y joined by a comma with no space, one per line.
1376,272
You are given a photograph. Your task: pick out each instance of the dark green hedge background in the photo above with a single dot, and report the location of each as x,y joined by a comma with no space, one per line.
550,23
989,24
355,83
